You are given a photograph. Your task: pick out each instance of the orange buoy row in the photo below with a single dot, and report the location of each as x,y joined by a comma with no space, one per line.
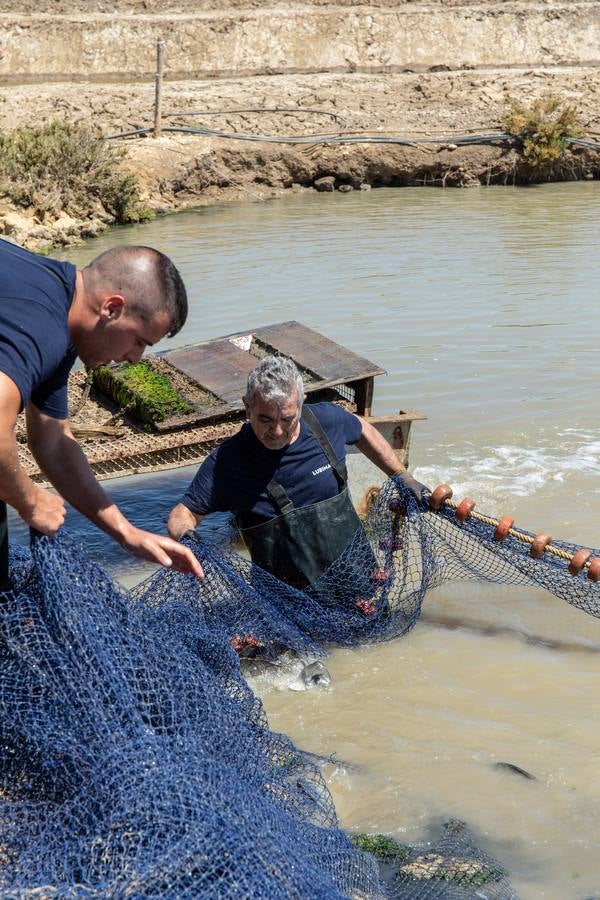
539,544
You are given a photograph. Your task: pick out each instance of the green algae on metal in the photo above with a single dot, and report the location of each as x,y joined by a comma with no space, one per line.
142,391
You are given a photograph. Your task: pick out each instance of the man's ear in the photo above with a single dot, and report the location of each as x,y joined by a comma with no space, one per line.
112,307
246,407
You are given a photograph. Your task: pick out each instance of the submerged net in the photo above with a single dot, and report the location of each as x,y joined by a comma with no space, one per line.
375,590
135,761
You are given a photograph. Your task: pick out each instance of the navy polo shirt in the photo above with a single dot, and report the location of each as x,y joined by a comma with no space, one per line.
235,475
35,350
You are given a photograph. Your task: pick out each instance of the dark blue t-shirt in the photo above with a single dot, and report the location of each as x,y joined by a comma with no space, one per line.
35,350
235,475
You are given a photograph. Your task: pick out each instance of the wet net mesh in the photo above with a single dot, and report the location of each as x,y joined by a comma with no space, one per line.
135,761
375,590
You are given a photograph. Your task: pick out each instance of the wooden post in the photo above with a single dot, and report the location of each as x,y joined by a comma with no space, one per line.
160,47
363,395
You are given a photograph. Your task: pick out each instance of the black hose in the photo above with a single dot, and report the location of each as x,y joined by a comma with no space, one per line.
318,138
335,138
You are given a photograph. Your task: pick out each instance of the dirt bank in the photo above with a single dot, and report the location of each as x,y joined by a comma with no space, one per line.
290,38
178,171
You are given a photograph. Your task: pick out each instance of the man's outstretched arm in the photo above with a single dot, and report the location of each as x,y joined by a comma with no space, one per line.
63,462
376,448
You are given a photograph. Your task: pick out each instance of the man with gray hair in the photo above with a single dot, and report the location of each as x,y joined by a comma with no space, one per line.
283,476
125,300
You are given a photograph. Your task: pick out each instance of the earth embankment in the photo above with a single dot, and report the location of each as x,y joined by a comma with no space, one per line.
415,69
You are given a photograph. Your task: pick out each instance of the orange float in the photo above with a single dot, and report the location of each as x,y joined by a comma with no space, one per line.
594,569
579,560
503,527
540,543
464,509
439,496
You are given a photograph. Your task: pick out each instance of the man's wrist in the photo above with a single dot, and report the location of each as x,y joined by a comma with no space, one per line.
112,521
26,500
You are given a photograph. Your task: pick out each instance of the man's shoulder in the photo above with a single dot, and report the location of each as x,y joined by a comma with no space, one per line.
328,413
322,409
35,299
233,445
43,272
337,422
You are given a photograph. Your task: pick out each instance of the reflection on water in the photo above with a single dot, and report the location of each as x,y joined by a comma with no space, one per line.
482,307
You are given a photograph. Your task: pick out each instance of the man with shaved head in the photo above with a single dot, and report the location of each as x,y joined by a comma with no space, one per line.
125,300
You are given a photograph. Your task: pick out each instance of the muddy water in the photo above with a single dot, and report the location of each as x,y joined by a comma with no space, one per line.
482,306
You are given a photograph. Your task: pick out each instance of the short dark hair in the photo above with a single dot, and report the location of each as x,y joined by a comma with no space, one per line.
121,269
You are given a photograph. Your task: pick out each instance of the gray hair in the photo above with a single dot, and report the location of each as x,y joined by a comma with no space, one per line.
275,378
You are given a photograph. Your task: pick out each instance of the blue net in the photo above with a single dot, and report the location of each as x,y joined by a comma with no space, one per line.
135,760
375,590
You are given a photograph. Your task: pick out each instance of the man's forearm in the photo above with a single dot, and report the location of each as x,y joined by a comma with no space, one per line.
64,463
378,450
16,487
181,519
62,460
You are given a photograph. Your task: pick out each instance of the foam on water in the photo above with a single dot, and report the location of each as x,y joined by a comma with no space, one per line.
491,473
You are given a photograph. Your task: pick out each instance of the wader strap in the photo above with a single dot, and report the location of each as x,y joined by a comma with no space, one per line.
277,494
279,498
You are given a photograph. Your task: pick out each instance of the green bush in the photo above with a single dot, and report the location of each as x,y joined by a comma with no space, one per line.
542,128
63,167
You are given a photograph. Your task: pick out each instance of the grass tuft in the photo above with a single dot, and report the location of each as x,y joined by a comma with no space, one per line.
141,390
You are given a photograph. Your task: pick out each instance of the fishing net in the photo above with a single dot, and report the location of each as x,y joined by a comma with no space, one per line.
135,761
375,590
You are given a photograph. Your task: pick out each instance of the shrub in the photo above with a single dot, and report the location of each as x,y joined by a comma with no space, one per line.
542,129
63,167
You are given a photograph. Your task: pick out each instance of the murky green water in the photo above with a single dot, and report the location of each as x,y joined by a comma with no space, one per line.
482,306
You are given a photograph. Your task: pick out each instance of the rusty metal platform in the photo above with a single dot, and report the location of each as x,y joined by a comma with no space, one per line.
212,377
221,367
